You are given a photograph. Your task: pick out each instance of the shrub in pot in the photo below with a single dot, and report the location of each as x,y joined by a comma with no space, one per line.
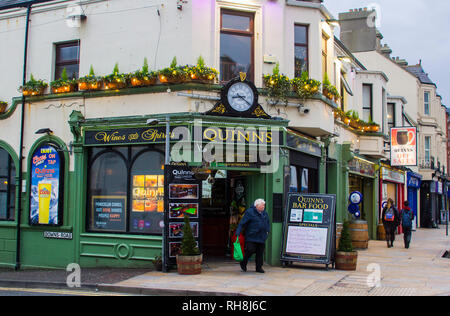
33,87
63,84
346,257
90,82
189,261
116,80
143,77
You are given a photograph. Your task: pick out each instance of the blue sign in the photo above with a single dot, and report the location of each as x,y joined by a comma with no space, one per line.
45,186
355,199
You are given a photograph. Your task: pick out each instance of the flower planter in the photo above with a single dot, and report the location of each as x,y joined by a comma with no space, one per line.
346,261
171,79
29,93
89,86
115,85
64,89
3,106
136,82
189,265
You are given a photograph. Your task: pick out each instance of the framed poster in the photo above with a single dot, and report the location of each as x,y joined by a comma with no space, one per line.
109,213
46,186
403,146
309,229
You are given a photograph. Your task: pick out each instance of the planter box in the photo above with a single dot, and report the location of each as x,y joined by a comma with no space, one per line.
135,82
28,93
346,261
189,265
85,86
64,89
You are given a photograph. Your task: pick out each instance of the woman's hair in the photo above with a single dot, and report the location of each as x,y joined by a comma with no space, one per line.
406,203
390,201
259,201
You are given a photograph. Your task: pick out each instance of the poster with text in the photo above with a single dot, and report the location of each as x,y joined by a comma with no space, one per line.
403,146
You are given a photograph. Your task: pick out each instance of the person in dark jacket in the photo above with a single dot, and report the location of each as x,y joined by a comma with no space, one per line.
391,220
407,216
257,229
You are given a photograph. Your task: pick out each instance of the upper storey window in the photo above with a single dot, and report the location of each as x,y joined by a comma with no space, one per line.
301,49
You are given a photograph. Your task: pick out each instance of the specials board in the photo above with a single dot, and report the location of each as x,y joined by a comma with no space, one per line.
309,229
183,197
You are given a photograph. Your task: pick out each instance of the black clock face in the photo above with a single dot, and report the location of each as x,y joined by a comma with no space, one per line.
240,96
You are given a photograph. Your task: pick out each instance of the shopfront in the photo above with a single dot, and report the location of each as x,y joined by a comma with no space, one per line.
432,203
392,185
362,178
413,183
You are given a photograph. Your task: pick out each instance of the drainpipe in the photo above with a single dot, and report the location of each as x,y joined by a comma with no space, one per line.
19,206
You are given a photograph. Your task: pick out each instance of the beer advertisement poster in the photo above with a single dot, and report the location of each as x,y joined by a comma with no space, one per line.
45,186
403,146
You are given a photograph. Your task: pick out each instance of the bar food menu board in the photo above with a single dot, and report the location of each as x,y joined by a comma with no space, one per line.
309,228
109,212
183,198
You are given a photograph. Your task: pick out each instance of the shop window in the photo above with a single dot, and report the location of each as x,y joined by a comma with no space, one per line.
301,49
236,44
303,180
46,186
67,56
7,186
126,190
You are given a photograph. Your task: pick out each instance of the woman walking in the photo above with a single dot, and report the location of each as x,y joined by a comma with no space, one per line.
391,219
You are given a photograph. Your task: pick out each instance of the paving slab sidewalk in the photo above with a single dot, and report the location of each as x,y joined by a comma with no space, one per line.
420,270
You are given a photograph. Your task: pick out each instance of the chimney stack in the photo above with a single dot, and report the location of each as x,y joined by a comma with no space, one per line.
358,31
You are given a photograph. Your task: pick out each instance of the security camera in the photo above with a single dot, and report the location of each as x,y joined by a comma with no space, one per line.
303,110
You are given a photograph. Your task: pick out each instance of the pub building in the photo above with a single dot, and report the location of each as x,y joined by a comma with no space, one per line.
392,185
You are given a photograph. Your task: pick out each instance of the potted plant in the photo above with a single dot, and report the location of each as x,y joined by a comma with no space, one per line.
90,82
63,84
3,106
326,86
33,87
143,77
157,262
172,74
373,127
346,257
116,80
305,87
278,86
334,93
189,261
201,73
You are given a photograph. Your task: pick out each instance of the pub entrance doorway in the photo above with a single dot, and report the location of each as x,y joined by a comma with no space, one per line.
226,197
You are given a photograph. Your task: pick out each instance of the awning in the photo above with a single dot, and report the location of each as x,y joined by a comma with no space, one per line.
346,85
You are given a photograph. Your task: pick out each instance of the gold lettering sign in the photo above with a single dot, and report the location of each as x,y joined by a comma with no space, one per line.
153,135
215,134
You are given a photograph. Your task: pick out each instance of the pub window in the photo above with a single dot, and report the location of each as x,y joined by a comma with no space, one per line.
236,44
324,54
7,186
67,56
126,190
367,102
301,49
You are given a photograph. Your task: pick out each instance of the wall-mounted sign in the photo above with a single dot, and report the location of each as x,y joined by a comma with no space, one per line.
392,175
46,186
403,146
58,235
361,167
309,228
109,213
303,145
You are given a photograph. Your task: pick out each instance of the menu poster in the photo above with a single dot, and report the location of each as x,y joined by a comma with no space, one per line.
46,194
183,198
109,213
309,229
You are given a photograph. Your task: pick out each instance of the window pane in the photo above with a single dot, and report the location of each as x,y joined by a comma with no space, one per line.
301,60
147,193
235,56
67,53
3,205
367,115
236,22
71,70
3,162
108,193
301,35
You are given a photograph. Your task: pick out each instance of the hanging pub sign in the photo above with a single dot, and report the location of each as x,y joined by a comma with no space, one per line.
403,146
183,197
47,169
309,229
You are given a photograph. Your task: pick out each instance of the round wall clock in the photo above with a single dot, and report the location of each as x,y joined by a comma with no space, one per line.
240,96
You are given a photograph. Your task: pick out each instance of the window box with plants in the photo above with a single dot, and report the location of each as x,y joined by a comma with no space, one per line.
346,258
3,106
201,73
278,86
33,87
330,91
116,80
143,77
305,87
190,259
63,84
90,82
173,74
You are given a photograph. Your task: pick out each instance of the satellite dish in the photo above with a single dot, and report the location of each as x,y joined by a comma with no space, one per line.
74,16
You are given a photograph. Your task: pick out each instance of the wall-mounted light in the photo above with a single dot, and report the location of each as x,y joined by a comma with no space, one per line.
47,131
75,15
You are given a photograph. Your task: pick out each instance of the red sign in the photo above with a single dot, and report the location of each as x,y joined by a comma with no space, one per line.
403,146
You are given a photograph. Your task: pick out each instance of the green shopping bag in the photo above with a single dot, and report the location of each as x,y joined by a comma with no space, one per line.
237,254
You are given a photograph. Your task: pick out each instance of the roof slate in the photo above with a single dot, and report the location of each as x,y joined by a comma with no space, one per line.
418,71
8,4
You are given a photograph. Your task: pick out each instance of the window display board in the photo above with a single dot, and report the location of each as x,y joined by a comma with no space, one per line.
309,229
184,197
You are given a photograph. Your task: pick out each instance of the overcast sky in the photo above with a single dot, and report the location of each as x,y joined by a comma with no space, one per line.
414,29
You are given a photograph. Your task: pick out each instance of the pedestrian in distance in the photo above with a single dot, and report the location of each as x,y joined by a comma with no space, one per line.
407,217
391,220
257,229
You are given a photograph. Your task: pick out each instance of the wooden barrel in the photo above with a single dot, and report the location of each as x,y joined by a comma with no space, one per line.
189,264
359,230
339,227
346,261
381,232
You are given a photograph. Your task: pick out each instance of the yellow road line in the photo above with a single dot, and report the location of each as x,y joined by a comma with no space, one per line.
61,292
